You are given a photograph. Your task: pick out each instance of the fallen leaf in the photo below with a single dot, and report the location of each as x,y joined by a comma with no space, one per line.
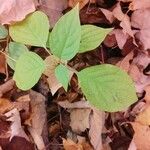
143,24
38,118
70,145
95,131
138,4
53,9
124,18
79,104
9,10
147,94
109,15
141,136
144,116
82,3
16,128
79,119
125,62
121,37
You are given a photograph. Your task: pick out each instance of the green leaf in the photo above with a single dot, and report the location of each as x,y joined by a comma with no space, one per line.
33,30
91,37
15,50
3,32
65,37
29,68
107,87
62,75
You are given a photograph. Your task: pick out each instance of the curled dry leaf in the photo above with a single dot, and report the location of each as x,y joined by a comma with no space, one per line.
124,18
9,10
2,64
16,128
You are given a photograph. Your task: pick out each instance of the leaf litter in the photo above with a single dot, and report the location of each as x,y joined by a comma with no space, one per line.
28,117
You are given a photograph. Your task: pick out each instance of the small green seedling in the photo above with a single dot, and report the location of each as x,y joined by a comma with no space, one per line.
105,86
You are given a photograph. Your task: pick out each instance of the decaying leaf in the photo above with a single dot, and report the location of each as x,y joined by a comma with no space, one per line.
143,24
141,136
70,145
125,20
15,10
137,4
96,125
73,3
16,127
79,119
38,118
53,9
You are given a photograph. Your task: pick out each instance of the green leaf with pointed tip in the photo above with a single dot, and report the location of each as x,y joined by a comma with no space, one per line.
29,68
65,37
33,30
3,32
62,75
15,50
107,87
91,37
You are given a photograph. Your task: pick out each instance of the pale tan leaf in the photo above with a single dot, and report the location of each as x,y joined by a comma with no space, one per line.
73,3
79,119
125,20
15,10
124,63
143,24
96,125
38,117
141,136
147,94
132,146
70,145
139,4
16,128
79,104
144,116
108,14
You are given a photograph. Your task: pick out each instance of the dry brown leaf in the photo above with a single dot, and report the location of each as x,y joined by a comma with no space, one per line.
108,14
147,94
144,116
143,24
73,3
124,63
141,136
79,104
79,119
96,125
139,4
38,118
2,64
15,10
70,145
16,128
121,37
53,9
125,20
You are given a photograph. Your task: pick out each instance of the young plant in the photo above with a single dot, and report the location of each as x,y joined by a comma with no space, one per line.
105,86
